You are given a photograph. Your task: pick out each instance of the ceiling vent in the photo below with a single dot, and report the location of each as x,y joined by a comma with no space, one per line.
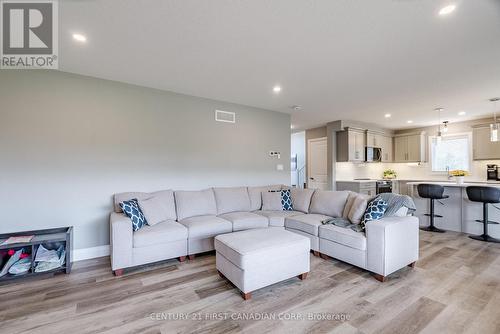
225,116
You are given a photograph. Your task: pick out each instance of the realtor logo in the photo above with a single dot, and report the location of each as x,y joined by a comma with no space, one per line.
29,34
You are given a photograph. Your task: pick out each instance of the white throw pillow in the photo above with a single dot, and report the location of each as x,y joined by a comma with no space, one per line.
154,209
271,201
358,209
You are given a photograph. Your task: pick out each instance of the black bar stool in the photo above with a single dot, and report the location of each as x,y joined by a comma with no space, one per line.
485,195
433,192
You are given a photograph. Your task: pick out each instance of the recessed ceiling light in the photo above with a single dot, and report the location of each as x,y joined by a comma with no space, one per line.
296,107
387,115
461,113
277,89
79,38
409,122
292,126
447,9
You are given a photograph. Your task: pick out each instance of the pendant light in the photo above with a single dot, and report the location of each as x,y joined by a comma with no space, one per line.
445,127
494,127
439,133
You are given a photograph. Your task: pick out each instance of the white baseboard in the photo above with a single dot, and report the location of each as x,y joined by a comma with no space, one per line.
90,253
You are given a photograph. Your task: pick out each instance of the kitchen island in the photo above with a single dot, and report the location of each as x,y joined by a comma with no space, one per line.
459,214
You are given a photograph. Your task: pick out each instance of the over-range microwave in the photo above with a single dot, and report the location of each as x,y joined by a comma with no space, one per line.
373,154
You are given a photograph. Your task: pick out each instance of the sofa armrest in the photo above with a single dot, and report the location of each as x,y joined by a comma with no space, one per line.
392,243
120,236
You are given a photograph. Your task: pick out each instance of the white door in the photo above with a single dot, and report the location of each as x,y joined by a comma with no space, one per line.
317,163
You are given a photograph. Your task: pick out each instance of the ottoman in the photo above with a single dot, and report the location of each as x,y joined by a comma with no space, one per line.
257,258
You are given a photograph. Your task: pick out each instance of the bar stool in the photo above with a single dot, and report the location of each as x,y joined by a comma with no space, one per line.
485,195
432,192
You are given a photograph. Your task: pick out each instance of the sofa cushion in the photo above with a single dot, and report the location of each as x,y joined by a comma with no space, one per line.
245,220
277,218
271,201
132,210
206,226
232,199
343,236
160,233
308,223
166,196
255,194
195,203
158,208
330,203
301,199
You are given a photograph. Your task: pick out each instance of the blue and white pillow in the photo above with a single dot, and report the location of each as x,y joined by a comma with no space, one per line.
374,211
286,200
132,210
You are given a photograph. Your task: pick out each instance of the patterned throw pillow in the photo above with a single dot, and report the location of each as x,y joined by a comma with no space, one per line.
374,211
286,200
132,210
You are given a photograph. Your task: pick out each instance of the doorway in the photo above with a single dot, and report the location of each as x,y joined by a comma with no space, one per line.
317,177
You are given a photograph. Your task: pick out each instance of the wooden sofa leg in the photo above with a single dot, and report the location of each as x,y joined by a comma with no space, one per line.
315,253
118,272
182,258
412,265
380,278
246,296
191,257
302,276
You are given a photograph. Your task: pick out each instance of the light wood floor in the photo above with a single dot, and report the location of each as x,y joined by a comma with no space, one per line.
453,289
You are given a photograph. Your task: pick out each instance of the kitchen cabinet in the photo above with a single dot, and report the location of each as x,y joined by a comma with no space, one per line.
374,139
351,145
363,187
482,147
387,149
409,148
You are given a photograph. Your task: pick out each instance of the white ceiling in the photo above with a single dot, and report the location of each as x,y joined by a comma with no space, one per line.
342,59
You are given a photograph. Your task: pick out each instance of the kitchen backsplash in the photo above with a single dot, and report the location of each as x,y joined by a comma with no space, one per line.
349,171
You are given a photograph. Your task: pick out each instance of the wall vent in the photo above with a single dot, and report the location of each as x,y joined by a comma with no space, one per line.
225,116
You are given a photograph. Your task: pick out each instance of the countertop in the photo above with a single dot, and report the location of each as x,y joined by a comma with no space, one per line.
495,184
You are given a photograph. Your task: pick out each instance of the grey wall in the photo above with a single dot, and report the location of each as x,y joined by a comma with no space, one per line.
68,142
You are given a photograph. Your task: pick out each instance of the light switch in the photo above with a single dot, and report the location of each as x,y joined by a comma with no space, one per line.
279,167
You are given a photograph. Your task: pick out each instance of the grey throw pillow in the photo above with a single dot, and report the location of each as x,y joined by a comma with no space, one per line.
301,199
271,201
348,205
358,209
154,209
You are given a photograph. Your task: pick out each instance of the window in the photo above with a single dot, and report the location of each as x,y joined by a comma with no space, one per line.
452,152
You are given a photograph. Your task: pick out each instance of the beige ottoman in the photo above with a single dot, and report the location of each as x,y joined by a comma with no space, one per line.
257,258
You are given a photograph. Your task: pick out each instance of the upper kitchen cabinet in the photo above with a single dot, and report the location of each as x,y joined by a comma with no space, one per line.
482,147
387,149
374,139
351,145
409,148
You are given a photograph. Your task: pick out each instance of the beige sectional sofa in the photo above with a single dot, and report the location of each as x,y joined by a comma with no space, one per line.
192,219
